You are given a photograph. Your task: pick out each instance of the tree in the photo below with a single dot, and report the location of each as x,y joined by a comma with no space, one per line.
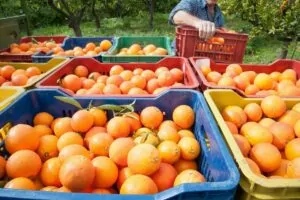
72,11
150,4
96,17
278,18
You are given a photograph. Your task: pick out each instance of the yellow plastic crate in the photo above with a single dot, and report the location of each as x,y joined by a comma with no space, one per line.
253,187
46,68
8,94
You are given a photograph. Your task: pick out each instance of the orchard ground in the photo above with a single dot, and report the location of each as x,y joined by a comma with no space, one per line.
260,49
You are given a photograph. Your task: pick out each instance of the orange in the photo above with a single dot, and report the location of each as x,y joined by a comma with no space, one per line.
241,82
99,115
126,86
49,174
105,45
250,75
20,183
72,150
102,191
43,118
139,81
232,127
160,69
189,176
282,134
137,71
90,46
93,131
164,177
149,48
243,144
205,69
82,121
23,163
48,147
68,139
94,76
266,122
226,82
124,173
236,68
62,189
88,83
38,184
282,170
151,117
165,79
119,149
6,71
49,189
32,71
168,123
253,112
126,75
255,133
71,82
134,49
99,144
263,81
297,128
290,117
251,90
296,107
177,74
289,74
106,172
253,166
42,130
138,184
143,159
275,76
168,133
292,149
152,85
159,90
290,91
266,156
116,70
134,121
186,133
293,168
182,165
273,106
169,152
137,91
62,126
232,114
118,127
184,116
111,89
189,148
81,92
148,74
20,137
77,173
81,71
19,80
2,167
102,79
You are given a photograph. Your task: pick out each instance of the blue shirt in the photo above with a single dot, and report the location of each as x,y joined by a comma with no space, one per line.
198,8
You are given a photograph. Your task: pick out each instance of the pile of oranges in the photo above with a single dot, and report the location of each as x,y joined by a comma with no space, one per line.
148,50
90,49
30,48
251,83
268,136
121,81
10,76
127,154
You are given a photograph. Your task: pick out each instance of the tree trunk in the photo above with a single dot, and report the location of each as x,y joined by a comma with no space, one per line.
27,21
97,21
284,50
76,28
151,12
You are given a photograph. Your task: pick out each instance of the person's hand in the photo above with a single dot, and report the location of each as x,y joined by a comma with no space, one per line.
206,29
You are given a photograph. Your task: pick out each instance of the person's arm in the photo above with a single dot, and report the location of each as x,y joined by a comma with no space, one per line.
206,28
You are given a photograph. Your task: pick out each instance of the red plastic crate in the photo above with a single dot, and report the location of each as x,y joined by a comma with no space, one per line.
188,44
190,79
24,57
278,65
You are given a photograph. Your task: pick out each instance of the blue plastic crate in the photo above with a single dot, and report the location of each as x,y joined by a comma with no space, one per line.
214,162
69,44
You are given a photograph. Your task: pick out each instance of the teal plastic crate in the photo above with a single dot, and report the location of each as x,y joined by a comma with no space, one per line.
126,42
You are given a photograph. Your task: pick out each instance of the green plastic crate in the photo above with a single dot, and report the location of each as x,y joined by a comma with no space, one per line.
125,42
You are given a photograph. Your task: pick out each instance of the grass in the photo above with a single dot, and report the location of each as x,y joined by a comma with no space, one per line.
260,49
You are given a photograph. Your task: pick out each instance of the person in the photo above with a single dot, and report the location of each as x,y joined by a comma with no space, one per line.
204,15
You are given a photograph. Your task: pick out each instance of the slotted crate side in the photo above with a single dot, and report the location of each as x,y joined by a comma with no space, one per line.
254,186
216,163
277,66
125,42
69,44
190,80
189,44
